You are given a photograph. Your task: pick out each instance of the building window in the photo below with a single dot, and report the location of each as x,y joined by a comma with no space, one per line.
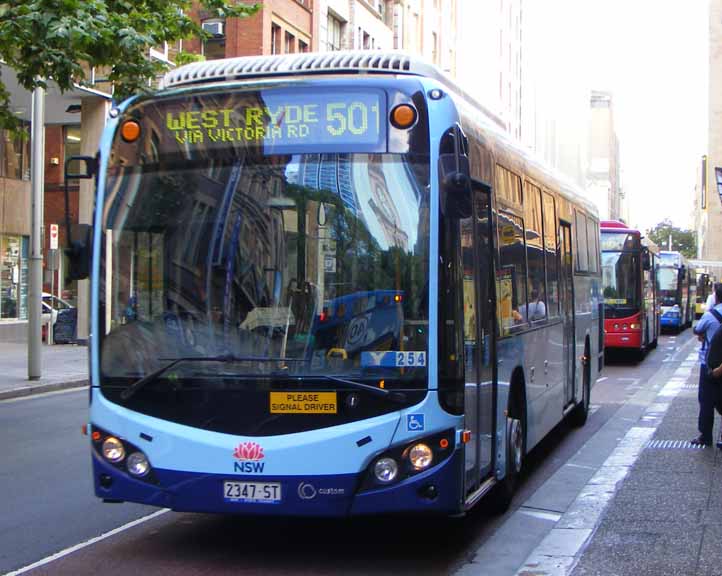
703,184
718,178
15,154
72,147
302,46
334,33
289,43
13,278
275,39
214,47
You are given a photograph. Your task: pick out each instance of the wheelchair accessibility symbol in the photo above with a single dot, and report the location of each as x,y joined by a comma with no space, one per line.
414,422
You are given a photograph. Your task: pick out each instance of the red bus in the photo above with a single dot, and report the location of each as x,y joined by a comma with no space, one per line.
631,308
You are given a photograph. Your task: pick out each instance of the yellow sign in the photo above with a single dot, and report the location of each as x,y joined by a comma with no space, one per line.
303,403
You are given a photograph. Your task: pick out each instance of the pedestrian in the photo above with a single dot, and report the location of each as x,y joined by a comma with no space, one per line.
708,392
711,301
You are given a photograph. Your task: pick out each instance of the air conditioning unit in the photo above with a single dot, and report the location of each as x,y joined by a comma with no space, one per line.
214,28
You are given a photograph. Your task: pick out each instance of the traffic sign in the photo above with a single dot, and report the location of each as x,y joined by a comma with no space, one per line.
53,236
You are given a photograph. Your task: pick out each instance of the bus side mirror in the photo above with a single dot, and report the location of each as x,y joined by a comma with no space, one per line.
79,245
79,251
454,178
646,261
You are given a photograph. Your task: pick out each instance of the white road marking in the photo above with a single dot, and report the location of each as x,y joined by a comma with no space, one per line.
87,543
559,551
602,379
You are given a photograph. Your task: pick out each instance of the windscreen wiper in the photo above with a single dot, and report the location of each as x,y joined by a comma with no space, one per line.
394,395
131,390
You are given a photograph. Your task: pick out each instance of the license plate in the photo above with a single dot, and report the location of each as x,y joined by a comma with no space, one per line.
303,403
264,492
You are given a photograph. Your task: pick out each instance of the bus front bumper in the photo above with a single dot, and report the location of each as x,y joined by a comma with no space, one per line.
436,491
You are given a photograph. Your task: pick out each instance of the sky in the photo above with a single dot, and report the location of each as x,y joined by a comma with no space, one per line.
653,56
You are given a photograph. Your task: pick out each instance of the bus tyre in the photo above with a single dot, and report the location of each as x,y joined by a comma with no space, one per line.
515,447
578,416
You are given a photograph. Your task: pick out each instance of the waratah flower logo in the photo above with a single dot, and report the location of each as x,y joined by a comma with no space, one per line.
248,451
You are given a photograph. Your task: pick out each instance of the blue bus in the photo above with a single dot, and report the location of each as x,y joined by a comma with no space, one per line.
677,283
329,285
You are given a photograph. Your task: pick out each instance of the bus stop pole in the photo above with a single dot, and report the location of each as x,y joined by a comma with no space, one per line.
36,225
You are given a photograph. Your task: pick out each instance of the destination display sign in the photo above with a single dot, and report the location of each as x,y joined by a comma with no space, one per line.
279,120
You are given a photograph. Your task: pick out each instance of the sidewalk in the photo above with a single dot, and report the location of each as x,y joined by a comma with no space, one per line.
654,507
666,514
62,366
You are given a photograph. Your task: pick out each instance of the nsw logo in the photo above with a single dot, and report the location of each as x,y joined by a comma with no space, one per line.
249,456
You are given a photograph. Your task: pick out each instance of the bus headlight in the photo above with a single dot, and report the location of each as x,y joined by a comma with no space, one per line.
137,464
634,326
113,449
386,470
420,456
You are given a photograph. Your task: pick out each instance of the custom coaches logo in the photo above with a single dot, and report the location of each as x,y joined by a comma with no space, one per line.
249,455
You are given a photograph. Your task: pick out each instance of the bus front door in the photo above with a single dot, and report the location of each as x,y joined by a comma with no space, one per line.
566,289
479,376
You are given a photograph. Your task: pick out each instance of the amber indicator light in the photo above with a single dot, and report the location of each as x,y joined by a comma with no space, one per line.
382,384
444,443
130,130
465,436
96,436
403,116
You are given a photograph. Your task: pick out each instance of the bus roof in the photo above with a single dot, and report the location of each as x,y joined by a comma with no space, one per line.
618,226
359,62
313,64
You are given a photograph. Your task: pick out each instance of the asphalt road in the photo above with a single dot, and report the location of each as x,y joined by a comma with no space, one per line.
48,506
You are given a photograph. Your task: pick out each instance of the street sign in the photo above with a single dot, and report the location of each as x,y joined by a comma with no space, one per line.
52,258
53,236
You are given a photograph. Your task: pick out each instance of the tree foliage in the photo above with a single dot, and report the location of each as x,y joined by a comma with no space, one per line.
43,39
684,241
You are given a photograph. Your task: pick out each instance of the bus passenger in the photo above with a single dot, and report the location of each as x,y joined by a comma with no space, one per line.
535,310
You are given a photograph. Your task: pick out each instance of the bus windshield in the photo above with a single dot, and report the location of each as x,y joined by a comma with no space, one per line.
668,279
620,280
295,264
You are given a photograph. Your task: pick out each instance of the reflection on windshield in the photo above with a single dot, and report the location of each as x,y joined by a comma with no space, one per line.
318,261
620,276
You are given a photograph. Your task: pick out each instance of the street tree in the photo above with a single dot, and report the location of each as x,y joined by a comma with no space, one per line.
684,241
42,39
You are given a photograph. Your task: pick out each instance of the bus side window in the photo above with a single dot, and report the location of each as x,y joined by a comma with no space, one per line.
536,309
593,245
582,263
550,250
511,276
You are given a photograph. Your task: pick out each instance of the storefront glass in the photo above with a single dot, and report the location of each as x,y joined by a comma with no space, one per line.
13,278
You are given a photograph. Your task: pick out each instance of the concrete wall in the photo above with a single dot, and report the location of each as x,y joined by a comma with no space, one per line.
711,217
15,207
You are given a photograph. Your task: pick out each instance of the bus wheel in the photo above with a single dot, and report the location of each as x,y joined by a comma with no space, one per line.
503,493
578,416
